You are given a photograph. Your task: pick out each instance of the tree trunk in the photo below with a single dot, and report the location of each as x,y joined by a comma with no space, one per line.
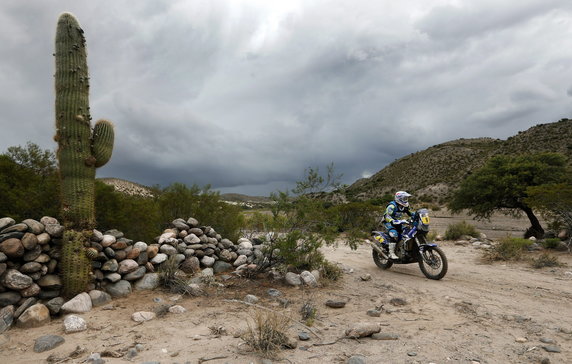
535,229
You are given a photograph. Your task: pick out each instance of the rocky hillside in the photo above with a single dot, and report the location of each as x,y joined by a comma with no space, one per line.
135,189
127,187
432,173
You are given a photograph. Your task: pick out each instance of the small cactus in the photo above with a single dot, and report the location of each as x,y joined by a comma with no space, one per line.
91,253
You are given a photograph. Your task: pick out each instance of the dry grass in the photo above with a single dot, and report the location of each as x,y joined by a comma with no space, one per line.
172,278
545,260
267,333
308,312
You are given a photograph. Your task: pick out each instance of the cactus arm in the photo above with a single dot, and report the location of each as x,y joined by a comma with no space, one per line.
102,142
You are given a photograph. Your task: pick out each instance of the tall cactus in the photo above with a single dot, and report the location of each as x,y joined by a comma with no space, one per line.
80,151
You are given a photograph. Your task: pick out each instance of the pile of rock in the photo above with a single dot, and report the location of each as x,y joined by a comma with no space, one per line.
29,254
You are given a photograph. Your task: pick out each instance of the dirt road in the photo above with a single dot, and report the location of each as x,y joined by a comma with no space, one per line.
477,314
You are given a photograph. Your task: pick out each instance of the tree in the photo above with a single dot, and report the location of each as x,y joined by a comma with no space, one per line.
501,185
28,183
555,203
41,162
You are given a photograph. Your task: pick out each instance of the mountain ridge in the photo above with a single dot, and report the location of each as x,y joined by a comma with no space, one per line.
431,174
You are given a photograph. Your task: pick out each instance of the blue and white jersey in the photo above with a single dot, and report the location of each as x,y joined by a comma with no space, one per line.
395,211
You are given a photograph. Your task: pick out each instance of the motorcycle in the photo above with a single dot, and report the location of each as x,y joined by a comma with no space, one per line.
412,248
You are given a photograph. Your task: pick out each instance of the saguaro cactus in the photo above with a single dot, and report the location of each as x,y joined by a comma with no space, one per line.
80,151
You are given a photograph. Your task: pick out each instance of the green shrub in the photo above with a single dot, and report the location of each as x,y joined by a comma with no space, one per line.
331,271
550,243
508,249
455,231
299,251
545,260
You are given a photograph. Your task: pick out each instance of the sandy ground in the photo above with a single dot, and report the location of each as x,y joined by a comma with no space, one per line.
479,313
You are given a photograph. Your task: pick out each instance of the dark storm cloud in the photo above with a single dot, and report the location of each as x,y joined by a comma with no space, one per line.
244,95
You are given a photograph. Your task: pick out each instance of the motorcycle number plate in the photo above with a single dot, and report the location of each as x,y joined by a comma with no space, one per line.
425,220
379,238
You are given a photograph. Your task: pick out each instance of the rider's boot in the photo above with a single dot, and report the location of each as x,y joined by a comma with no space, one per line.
392,251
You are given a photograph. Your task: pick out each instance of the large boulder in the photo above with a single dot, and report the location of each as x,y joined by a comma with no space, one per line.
35,316
79,304
15,280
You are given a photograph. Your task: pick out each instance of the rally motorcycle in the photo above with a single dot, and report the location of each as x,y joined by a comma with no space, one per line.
412,248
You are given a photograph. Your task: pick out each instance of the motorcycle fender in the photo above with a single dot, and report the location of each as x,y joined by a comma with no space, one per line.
425,246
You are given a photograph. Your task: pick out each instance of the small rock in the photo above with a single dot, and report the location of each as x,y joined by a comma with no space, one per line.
521,340
242,259
131,353
335,303
177,309
356,359
79,304
55,305
308,279
303,336
272,292
384,336
143,316
35,316
24,306
99,298
546,340
127,266
149,281
374,313
95,358
208,261
6,318
551,348
73,323
47,342
293,279
398,302
411,353
250,298
363,330
15,280
159,258
365,277
119,289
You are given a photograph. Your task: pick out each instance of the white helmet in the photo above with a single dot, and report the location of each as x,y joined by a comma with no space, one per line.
401,198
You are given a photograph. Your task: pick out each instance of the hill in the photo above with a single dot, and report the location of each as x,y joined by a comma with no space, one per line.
432,173
133,188
128,187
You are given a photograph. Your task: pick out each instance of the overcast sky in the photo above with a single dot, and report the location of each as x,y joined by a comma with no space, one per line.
244,95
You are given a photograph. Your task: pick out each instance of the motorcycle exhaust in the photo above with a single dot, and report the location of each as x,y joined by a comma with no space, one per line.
377,249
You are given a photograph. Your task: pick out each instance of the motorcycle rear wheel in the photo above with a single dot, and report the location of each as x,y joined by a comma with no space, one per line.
433,263
380,261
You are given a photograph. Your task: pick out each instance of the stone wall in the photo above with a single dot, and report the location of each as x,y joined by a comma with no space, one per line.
30,252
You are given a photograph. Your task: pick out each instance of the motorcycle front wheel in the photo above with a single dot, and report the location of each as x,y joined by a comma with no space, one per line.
433,263
380,261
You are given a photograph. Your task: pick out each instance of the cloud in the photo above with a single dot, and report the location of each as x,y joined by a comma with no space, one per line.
244,95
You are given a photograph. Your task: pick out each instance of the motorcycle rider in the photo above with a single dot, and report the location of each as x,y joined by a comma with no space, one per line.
394,218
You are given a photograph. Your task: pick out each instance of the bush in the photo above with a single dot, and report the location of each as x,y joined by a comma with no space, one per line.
550,243
299,251
455,231
509,249
267,334
331,271
545,260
